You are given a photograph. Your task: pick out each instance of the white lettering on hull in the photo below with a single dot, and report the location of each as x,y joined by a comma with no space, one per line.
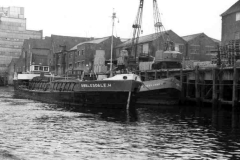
96,85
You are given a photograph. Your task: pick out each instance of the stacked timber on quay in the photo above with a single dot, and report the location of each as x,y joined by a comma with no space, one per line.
230,53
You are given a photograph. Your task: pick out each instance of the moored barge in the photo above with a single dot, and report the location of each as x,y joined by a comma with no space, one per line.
118,90
164,91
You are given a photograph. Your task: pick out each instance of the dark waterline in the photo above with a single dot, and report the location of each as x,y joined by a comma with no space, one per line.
34,130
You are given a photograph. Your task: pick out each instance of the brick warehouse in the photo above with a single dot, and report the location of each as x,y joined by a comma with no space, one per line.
199,46
148,45
231,23
80,57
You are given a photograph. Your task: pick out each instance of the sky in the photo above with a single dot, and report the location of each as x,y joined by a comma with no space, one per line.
92,18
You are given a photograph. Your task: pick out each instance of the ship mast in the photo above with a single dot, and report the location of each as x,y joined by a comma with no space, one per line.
113,17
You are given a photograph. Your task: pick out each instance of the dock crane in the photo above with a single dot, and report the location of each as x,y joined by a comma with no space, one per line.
137,29
160,32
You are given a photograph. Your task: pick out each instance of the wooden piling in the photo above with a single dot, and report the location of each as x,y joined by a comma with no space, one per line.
214,96
155,75
202,95
129,99
146,76
187,86
197,88
182,100
221,89
234,97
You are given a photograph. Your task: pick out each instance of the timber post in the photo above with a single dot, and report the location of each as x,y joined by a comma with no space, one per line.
234,97
167,73
155,75
187,86
202,87
182,86
221,89
129,99
197,89
214,96
146,76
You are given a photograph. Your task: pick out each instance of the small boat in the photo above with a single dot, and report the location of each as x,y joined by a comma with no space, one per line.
118,90
161,91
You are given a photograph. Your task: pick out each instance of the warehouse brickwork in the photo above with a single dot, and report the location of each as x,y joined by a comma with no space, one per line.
82,56
149,44
199,47
231,23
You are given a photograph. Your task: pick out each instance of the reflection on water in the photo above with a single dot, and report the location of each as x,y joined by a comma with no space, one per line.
33,130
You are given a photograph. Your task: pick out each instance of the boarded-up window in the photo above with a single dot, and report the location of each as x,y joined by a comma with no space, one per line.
238,16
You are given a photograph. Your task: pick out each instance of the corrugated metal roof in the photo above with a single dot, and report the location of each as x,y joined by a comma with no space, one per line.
143,39
95,41
191,37
234,8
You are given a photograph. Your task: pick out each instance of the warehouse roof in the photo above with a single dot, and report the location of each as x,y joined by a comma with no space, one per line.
217,41
191,37
68,41
95,41
142,39
41,43
234,8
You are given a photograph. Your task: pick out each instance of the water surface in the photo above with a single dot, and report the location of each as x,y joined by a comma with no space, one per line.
34,130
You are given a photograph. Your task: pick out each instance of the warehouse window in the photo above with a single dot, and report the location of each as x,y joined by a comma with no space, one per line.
237,35
36,68
45,68
181,48
82,64
209,49
238,16
82,52
194,49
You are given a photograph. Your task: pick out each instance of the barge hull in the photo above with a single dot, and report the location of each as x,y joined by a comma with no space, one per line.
96,99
